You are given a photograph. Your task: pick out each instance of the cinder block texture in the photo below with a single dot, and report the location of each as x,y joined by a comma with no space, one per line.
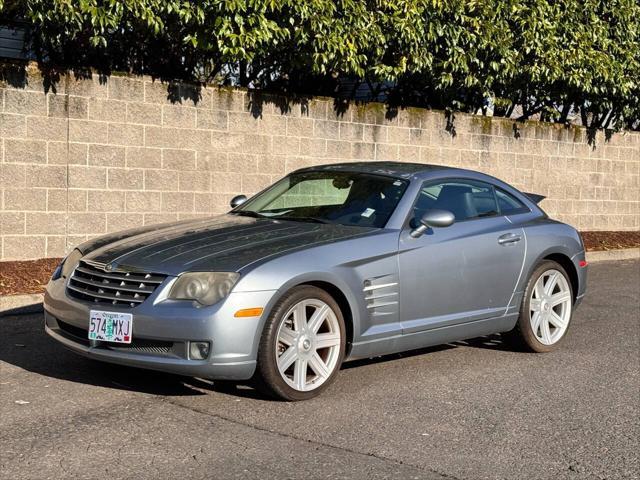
104,155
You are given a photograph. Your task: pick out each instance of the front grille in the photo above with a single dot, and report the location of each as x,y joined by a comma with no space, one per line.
81,334
128,288
156,347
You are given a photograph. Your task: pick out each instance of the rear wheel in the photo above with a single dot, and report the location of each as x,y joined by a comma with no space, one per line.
546,310
302,345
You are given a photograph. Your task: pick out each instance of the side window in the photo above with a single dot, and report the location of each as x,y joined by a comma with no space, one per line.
466,199
509,205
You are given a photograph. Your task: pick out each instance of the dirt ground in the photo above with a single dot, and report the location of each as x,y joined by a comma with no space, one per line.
29,276
598,241
22,277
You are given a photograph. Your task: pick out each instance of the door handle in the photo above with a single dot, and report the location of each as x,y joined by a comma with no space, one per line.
508,238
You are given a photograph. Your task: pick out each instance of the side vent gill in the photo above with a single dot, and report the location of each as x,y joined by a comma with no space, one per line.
381,295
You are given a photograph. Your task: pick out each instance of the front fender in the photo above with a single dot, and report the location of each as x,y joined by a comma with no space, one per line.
346,265
356,302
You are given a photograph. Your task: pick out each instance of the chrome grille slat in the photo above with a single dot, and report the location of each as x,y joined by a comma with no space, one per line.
127,276
114,286
106,296
92,284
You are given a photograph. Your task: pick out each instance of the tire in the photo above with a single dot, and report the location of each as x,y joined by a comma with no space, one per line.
285,333
544,339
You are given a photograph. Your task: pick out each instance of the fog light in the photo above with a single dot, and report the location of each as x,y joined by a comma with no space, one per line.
198,350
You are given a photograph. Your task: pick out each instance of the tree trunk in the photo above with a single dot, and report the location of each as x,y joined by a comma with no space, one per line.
243,74
565,112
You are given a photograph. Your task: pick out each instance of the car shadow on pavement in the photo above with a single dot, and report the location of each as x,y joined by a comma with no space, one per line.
495,341
24,344
395,356
490,342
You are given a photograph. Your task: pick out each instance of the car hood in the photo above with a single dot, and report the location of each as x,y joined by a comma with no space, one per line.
225,243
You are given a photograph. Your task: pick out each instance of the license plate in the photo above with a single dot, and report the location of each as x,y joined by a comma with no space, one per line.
110,326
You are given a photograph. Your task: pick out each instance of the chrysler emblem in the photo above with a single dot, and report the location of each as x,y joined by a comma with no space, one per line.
108,267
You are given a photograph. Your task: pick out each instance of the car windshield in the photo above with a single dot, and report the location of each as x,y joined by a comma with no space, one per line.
344,198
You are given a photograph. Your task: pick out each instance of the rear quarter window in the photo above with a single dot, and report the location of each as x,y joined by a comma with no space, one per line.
509,205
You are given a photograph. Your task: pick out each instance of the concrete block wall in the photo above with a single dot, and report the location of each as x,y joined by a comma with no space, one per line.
101,155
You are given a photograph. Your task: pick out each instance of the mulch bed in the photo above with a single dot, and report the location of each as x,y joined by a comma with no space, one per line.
31,276
26,276
599,241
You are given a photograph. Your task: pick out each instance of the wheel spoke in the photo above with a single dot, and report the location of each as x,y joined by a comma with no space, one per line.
545,332
317,319
300,373
318,366
300,317
538,288
535,305
287,358
557,320
535,322
551,283
324,340
559,298
287,336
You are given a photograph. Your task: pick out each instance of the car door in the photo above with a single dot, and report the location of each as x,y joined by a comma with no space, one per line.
463,272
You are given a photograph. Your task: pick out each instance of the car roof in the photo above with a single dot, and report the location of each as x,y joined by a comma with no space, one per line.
413,171
403,170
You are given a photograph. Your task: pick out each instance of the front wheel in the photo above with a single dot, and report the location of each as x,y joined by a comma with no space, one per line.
302,345
546,309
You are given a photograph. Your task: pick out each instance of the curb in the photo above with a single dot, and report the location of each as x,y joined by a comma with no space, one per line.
24,304
613,255
20,304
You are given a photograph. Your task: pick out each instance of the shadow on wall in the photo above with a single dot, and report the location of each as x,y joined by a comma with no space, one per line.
16,74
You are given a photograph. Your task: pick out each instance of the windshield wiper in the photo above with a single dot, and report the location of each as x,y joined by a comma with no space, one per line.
306,219
248,213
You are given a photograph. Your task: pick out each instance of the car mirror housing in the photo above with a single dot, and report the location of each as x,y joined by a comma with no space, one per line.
434,218
238,200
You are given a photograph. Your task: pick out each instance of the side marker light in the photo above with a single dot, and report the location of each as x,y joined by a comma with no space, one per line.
249,312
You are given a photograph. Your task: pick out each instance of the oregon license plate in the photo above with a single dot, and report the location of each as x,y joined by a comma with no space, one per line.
110,326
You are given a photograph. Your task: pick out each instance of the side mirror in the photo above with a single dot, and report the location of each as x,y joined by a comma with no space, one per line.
238,200
434,218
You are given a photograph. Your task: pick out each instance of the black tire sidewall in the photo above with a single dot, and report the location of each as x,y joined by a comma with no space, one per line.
267,372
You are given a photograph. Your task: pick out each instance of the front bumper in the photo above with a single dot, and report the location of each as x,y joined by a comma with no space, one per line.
162,330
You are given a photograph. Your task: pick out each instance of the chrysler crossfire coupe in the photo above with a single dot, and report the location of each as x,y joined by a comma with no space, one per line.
331,263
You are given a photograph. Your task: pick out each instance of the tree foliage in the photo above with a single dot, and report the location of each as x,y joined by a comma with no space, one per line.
555,59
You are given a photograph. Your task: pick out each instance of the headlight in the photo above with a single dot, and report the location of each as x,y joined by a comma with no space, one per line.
70,263
206,288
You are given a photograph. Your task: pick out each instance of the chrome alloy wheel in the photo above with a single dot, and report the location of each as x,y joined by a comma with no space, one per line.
550,307
308,344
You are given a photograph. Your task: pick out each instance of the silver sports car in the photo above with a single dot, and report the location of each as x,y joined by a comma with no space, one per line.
331,263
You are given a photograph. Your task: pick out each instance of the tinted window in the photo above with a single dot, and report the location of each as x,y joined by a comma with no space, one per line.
509,205
465,199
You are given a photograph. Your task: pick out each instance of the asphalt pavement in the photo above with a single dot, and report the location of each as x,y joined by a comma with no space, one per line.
470,410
